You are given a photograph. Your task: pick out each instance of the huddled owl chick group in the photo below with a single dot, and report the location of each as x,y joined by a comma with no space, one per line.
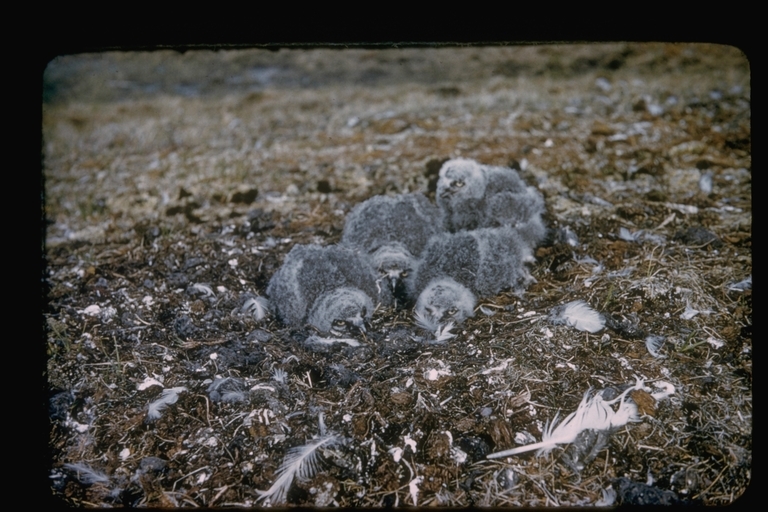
473,244
393,231
332,288
473,196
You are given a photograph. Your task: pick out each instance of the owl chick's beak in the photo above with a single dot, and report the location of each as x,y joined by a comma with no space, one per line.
359,322
394,277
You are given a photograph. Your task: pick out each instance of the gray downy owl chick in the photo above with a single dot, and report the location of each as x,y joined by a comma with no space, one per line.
473,196
444,300
341,311
461,194
394,231
311,273
486,261
521,210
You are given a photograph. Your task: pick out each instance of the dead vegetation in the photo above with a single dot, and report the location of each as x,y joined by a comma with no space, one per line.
169,214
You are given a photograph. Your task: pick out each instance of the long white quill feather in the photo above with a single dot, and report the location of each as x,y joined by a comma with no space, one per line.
301,461
592,413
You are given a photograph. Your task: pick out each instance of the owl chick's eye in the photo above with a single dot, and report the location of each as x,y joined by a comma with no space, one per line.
404,273
452,311
339,323
458,183
364,311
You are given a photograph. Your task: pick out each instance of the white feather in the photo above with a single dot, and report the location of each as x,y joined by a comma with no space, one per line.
592,413
169,396
204,288
653,344
258,307
330,341
87,474
580,315
444,333
428,323
425,321
300,461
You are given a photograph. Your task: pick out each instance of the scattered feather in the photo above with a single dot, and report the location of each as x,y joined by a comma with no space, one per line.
258,307
330,341
86,474
716,343
578,314
586,259
204,288
691,312
148,382
444,333
666,389
487,311
426,322
226,390
92,310
169,396
413,489
279,375
569,237
656,239
300,461
592,413
626,235
688,313
626,271
653,344
608,499
741,286
705,183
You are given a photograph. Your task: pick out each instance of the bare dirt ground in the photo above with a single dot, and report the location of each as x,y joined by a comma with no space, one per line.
176,184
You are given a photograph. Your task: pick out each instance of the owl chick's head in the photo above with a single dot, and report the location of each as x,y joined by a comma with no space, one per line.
444,300
394,262
460,177
341,310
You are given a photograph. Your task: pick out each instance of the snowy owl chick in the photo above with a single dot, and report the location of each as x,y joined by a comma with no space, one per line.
444,300
472,196
394,231
305,287
486,261
521,210
340,310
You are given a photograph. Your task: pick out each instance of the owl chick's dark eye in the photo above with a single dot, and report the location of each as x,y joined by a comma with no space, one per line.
364,311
